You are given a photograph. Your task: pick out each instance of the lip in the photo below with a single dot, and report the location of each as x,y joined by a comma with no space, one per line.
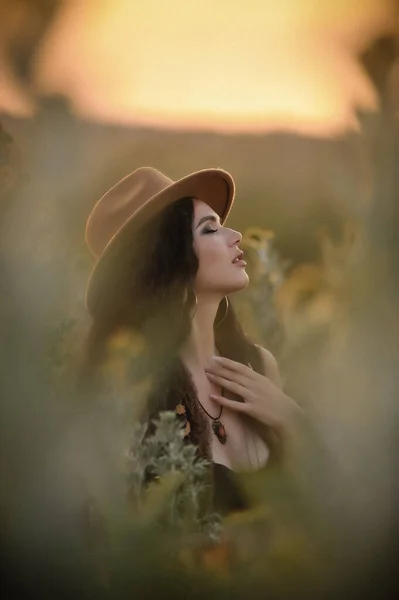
240,260
240,263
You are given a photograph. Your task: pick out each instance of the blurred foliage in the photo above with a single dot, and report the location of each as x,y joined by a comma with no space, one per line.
255,306
310,300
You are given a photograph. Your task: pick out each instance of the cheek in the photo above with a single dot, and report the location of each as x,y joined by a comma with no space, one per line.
213,258
211,253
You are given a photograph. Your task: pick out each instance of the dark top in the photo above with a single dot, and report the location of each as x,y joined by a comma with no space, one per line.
227,494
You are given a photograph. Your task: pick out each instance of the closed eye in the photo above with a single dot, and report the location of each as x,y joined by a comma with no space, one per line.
209,230
212,218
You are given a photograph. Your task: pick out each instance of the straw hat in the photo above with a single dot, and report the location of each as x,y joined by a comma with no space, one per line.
131,203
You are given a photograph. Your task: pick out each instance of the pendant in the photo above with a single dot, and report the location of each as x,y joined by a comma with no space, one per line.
219,431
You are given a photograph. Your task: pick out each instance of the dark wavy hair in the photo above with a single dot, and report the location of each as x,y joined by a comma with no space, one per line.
155,298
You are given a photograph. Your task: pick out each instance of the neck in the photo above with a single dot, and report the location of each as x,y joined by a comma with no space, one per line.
200,346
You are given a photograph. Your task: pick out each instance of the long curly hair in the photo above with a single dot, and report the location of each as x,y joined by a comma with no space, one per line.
155,299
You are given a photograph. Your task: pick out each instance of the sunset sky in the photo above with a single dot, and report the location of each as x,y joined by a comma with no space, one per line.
230,65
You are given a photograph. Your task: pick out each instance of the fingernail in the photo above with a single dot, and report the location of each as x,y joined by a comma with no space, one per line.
217,358
213,396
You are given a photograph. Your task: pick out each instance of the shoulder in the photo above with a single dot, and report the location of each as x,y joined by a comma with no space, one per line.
271,366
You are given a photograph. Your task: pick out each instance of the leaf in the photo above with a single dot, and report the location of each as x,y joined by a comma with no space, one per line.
159,495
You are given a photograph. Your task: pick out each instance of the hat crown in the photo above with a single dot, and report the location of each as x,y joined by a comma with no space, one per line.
121,202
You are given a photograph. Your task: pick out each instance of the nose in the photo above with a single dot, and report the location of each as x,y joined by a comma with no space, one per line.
236,237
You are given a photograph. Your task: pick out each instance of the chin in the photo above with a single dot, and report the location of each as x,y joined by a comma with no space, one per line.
238,285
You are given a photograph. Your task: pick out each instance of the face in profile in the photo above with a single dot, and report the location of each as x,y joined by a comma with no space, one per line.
221,268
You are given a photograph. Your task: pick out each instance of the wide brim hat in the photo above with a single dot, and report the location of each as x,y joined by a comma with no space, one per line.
133,202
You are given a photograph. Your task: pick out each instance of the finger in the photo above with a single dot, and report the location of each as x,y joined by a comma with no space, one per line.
220,368
236,388
232,404
233,365
246,376
230,375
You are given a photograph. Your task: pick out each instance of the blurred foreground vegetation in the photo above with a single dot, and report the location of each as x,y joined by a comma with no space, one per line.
323,296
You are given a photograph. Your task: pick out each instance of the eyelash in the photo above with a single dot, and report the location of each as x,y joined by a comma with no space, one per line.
210,231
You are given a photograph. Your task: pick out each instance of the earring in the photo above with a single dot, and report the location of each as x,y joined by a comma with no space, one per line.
226,310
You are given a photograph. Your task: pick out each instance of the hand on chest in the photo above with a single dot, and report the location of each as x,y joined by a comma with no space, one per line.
234,442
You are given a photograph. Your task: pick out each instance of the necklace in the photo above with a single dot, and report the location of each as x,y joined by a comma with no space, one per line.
217,426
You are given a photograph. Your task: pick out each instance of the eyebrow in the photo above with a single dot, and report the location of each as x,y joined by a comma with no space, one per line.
207,218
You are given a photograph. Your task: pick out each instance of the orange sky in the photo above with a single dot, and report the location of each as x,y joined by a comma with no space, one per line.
230,65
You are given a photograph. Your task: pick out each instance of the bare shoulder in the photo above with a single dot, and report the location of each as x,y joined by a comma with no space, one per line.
271,366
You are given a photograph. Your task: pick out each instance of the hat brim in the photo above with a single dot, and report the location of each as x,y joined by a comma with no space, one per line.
213,186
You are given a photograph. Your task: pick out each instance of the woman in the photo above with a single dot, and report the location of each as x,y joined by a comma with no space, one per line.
166,265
